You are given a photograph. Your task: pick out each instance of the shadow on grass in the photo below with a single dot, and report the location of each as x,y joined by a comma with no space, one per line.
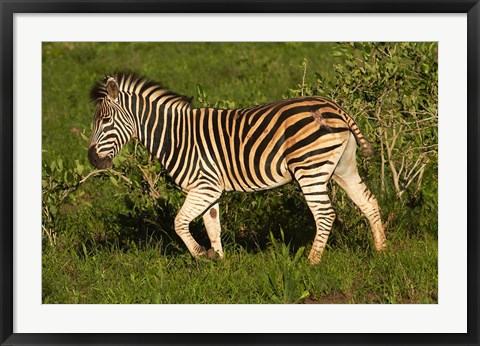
143,228
248,227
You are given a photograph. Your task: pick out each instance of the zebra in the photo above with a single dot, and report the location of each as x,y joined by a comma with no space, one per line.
207,151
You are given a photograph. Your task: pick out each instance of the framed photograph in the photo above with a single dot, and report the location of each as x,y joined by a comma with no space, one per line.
239,172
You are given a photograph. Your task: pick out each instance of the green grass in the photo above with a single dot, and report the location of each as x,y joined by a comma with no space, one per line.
108,251
111,274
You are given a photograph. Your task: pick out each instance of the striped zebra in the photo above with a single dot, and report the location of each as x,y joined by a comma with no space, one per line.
207,151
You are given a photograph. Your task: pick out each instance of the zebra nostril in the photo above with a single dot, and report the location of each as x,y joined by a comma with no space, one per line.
97,161
92,156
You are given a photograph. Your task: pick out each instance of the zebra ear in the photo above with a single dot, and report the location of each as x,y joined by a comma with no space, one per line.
112,88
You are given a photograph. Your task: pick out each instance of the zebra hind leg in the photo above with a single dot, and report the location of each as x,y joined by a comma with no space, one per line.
211,219
312,176
323,213
366,201
346,175
195,204
314,189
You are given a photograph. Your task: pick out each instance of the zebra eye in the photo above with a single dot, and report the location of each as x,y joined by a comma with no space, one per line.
106,120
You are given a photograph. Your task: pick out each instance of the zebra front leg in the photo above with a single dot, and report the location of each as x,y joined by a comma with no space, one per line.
211,219
195,204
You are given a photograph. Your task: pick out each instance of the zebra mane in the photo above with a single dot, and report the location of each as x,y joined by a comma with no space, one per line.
99,91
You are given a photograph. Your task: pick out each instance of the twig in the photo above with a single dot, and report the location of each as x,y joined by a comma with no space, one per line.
151,184
419,172
305,63
109,170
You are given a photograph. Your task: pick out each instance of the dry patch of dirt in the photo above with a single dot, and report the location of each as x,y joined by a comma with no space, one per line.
332,298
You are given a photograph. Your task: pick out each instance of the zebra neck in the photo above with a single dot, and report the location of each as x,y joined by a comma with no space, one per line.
160,131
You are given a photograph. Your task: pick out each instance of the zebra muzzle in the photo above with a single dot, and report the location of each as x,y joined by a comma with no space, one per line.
97,161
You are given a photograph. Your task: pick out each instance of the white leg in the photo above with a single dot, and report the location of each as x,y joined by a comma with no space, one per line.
211,219
346,175
195,204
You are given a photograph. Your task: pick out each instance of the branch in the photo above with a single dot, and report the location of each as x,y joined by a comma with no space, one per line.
305,63
151,184
420,173
414,166
109,170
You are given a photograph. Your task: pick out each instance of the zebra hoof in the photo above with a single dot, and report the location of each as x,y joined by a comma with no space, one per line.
315,257
202,253
211,254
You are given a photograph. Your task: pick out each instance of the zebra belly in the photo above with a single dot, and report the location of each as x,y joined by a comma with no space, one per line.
243,183
280,182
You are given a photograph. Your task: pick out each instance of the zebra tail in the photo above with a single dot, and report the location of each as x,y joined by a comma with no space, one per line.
362,141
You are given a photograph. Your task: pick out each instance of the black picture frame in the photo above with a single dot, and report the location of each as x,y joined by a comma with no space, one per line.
9,7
